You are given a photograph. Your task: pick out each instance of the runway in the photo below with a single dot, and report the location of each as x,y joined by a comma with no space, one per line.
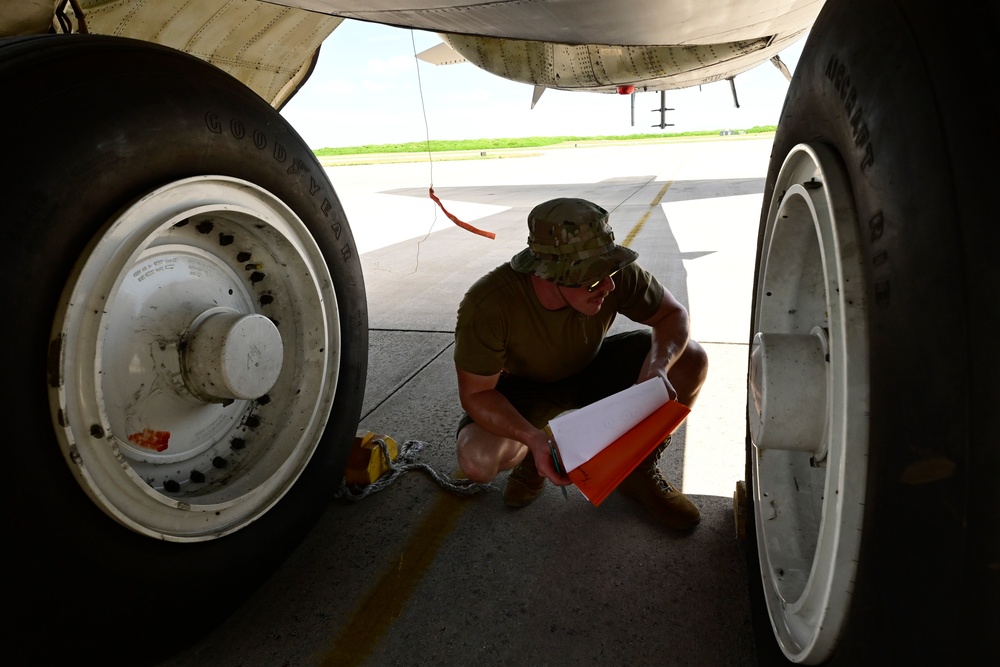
413,575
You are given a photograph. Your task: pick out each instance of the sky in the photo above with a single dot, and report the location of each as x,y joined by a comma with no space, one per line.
368,88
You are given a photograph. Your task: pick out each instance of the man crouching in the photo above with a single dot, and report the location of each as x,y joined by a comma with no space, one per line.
531,342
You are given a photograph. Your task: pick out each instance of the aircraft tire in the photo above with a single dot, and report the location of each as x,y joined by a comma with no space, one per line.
123,157
902,138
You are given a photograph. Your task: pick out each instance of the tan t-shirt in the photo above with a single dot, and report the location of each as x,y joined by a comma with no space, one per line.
502,326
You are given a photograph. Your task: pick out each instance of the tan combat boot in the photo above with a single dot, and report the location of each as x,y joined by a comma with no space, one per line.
647,486
524,484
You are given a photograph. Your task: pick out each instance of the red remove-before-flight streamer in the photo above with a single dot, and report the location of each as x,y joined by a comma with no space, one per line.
464,225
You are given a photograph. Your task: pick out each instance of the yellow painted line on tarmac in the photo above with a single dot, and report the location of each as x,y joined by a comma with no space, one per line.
377,613
645,216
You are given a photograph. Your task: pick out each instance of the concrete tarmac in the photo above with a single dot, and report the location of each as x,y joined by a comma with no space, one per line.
414,575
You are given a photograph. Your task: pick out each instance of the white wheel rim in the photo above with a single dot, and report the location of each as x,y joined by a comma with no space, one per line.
808,403
146,443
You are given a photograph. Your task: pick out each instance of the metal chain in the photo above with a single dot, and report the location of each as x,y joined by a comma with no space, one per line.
405,462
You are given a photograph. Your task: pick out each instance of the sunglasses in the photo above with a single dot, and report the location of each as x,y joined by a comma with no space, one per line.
591,288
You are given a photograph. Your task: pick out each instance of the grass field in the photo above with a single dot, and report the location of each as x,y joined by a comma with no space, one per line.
438,146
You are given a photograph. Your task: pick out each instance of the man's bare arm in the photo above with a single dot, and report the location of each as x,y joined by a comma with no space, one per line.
671,333
493,412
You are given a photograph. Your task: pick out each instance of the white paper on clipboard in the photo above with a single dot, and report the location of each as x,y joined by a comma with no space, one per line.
579,435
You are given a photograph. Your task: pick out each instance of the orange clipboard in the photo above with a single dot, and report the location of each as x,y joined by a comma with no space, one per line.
599,476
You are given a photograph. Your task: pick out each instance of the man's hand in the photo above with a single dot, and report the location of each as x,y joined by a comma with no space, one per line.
505,427
661,373
539,447
670,338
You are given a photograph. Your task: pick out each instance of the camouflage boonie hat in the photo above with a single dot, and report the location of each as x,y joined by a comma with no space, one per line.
571,243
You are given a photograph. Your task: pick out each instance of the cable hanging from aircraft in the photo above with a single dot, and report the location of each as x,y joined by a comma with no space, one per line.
65,24
427,135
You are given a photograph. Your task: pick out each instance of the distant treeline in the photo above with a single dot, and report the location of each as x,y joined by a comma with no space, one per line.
435,146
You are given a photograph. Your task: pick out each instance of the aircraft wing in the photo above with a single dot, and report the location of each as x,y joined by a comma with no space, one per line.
586,45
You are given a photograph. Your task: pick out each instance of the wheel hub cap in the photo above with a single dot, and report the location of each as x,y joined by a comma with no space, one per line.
230,355
788,387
